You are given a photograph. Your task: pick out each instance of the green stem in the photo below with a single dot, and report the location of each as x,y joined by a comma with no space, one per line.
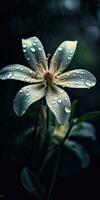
54,176
48,119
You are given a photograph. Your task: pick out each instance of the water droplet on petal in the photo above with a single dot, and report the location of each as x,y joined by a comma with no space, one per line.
9,75
39,49
69,57
88,83
27,94
53,102
67,110
65,98
17,67
28,58
34,44
36,95
59,101
21,91
24,45
77,72
24,50
71,51
32,49
62,91
60,49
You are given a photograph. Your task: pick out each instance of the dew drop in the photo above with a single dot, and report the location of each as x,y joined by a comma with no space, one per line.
9,75
59,101
36,95
62,91
28,58
27,94
21,91
67,110
24,45
69,57
34,44
39,49
53,102
32,49
17,67
24,50
21,68
77,72
71,51
65,98
88,83
60,49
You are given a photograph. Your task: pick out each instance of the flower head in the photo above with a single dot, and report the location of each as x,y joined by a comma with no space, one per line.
47,81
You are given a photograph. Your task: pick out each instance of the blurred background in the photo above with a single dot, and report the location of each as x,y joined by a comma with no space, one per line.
52,22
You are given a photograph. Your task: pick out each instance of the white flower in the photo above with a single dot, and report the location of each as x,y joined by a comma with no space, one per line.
44,80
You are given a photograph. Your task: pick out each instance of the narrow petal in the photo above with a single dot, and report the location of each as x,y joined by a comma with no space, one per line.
34,53
26,96
59,103
18,72
63,56
79,78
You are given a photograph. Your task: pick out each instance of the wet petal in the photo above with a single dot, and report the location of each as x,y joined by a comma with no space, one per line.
59,103
63,55
79,78
18,72
26,96
34,52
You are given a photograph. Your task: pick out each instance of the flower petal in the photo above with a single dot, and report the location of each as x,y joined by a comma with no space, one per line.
63,56
18,72
79,78
59,103
26,96
34,53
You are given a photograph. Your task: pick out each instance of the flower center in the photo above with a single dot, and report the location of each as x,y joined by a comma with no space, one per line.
48,77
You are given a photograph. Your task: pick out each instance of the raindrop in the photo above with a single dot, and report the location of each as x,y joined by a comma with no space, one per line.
60,49
21,68
17,67
24,50
39,49
59,101
53,102
71,51
34,44
62,91
67,110
69,57
28,58
77,72
21,91
65,98
88,83
27,79
36,95
9,75
24,45
27,94
32,49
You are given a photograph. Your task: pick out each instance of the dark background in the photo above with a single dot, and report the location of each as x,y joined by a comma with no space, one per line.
53,22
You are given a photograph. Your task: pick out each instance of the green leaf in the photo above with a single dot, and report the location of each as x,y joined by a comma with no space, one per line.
88,116
80,152
31,182
83,129
73,107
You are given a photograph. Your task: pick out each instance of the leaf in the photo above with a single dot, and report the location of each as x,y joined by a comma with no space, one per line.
88,116
31,182
73,107
80,152
83,129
